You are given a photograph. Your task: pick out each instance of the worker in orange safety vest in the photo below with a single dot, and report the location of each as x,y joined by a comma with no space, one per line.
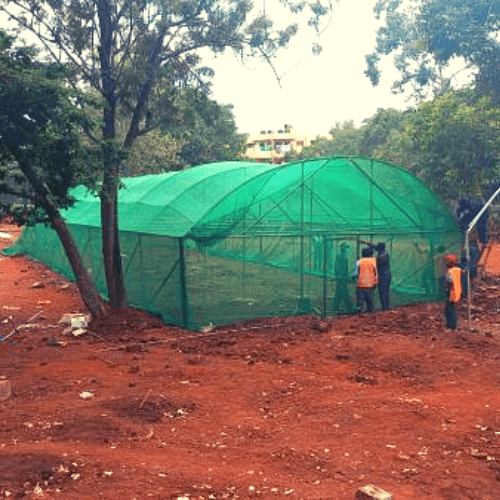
365,271
453,280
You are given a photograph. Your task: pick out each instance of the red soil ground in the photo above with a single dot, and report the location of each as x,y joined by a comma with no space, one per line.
280,408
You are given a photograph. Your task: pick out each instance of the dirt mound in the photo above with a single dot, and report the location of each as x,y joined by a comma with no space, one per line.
124,322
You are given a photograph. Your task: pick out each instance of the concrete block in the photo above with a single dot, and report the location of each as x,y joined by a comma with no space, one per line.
372,492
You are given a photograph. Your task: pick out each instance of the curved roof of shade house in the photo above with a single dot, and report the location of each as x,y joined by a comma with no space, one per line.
339,195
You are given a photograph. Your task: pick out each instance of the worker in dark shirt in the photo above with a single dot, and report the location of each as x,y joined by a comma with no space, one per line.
384,275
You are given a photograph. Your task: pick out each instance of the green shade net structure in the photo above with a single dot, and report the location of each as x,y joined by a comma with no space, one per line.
233,241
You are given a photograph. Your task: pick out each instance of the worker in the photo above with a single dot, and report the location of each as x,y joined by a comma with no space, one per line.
453,281
366,273
384,275
342,280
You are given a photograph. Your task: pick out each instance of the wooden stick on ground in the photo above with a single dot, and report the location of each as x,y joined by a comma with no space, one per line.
16,330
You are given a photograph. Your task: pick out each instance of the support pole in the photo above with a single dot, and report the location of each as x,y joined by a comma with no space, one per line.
467,250
301,285
371,200
325,243
185,309
243,264
469,291
142,271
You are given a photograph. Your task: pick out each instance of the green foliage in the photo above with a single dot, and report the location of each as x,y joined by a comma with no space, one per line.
427,35
39,121
451,143
192,130
153,152
379,128
345,140
210,133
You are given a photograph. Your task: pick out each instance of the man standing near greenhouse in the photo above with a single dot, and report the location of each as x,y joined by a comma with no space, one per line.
453,281
384,275
366,272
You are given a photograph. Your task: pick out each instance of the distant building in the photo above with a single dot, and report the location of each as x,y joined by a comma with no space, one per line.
270,146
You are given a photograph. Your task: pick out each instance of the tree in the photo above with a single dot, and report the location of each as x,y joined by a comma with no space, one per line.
38,137
197,131
344,140
124,48
451,143
427,36
211,132
153,152
377,130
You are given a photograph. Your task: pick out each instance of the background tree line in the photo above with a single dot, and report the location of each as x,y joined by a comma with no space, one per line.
451,142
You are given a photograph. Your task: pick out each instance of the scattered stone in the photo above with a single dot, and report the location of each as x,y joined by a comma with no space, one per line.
80,321
371,492
75,320
38,284
320,326
86,395
53,342
78,332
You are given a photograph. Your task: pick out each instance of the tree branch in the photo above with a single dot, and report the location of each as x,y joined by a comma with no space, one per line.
56,40
6,188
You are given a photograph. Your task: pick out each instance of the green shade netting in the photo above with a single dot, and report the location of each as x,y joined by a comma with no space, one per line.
238,240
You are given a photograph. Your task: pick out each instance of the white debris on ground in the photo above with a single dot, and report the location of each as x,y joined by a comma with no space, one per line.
77,323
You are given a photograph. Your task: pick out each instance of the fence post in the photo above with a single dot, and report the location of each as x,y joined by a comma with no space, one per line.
184,296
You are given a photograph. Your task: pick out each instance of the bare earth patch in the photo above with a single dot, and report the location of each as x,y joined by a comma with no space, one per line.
275,408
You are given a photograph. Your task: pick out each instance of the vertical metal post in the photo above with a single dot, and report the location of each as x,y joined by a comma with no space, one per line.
469,291
312,248
243,244
371,200
184,296
302,240
142,273
469,229
260,238
325,242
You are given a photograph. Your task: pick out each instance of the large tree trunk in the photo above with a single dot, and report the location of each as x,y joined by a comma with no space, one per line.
111,246
109,197
88,292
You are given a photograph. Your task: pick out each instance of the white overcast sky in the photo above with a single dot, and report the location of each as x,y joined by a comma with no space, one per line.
316,91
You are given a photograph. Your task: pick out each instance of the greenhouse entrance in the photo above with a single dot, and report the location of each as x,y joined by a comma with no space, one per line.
232,241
